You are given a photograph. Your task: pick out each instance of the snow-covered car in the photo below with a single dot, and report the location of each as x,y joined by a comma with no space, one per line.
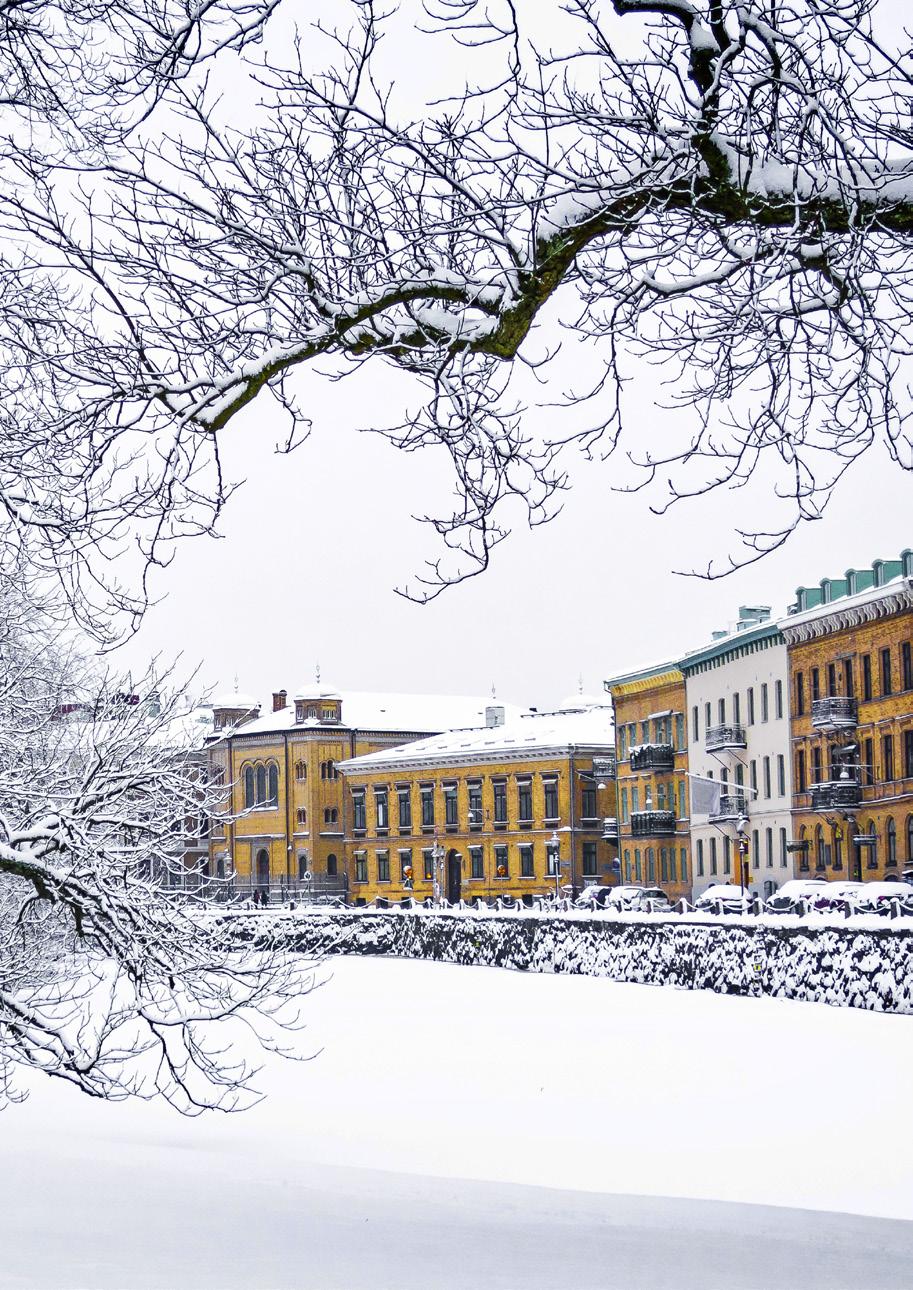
785,898
838,896
724,898
602,896
876,897
649,898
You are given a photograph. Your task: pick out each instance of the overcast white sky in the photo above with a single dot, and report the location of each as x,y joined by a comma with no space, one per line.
314,544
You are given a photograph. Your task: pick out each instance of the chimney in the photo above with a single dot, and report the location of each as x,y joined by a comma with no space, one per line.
494,715
279,698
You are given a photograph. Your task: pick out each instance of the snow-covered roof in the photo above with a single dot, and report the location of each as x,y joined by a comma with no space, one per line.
524,735
365,710
235,701
848,605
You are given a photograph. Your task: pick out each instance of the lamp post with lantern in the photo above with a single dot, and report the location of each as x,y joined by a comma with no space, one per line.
437,860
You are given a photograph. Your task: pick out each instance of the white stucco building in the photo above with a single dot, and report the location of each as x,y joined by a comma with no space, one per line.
737,692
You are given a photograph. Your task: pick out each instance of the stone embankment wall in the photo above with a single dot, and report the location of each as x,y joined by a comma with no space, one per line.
858,966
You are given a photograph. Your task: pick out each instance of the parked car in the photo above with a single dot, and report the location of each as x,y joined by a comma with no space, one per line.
648,898
838,896
601,895
625,897
785,898
876,897
724,897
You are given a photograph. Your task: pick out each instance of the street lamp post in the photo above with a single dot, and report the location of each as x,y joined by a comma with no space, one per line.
437,858
554,843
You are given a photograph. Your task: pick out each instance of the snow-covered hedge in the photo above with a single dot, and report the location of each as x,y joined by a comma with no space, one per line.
849,966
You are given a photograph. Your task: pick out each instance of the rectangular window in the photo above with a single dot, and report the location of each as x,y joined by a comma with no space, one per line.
500,792
664,864
765,714
588,803
755,849
428,865
866,676
800,694
886,681
766,765
908,757
868,762
622,743
660,796
551,799
784,854
589,859
769,843
682,800
502,869
887,758
906,665
832,679
816,684
361,867
781,775
450,806
527,869
750,698
427,794
800,771
727,854
849,684
680,731
736,709
816,765
383,866
380,809
359,818
476,815
405,866
405,810
476,863
713,857
778,700
753,773
721,708
624,806
700,857
683,857
695,727
525,801
635,799
708,717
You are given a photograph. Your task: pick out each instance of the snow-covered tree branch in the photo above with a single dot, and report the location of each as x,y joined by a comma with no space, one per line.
108,978
723,188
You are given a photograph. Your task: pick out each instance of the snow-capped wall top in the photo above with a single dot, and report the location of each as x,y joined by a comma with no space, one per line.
365,710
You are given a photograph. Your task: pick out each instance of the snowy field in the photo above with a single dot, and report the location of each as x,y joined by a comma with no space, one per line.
472,1127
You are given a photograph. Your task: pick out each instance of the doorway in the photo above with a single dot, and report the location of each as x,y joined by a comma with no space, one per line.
454,876
263,868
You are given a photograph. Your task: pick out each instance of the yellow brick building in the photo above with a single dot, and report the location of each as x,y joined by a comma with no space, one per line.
286,812
652,783
518,809
850,648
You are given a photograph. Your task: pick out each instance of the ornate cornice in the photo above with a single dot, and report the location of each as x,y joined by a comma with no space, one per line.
844,617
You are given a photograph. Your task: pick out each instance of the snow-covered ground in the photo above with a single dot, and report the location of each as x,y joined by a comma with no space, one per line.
471,1127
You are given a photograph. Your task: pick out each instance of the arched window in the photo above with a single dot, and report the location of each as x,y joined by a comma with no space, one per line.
301,815
331,865
637,864
250,797
873,849
273,784
910,838
261,785
651,865
263,868
628,861
323,769
819,847
302,865
301,770
890,834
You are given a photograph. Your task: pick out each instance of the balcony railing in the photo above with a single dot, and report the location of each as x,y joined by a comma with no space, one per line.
835,712
610,828
836,795
656,757
652,824
732,805
720,737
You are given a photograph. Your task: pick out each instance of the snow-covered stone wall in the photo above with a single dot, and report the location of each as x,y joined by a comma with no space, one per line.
868,966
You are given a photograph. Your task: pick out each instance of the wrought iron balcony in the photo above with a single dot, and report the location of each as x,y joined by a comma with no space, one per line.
835,712
610,828
652,824
720,737
836,795
655,757
732,805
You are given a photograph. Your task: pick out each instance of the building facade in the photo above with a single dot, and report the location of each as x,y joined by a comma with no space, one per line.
737,692
286,813
850,643
523,809
651,752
